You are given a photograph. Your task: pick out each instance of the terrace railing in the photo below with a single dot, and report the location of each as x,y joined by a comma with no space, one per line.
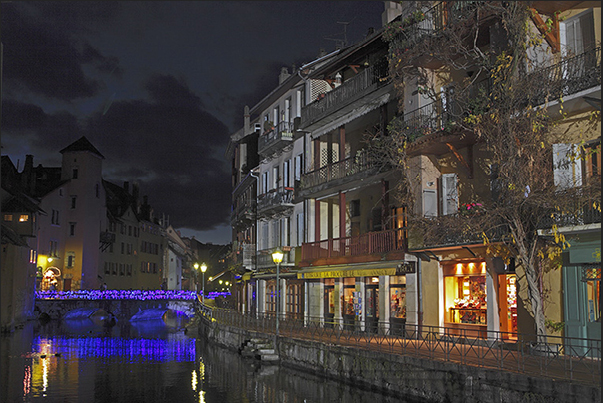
342,169
570,76
278,137
563,358
277,199
363,83
366,244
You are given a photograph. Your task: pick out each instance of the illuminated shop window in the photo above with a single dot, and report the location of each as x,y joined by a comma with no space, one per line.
466,299
397,297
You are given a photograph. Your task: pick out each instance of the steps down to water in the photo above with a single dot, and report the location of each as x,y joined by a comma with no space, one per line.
260,349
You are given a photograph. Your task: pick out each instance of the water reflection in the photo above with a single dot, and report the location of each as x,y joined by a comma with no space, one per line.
148,361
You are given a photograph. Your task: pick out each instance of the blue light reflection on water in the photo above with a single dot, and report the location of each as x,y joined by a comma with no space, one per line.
176,349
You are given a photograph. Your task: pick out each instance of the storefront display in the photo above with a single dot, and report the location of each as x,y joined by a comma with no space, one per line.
397,297
465,294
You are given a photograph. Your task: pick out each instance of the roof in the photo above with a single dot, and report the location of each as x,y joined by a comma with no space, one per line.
83,144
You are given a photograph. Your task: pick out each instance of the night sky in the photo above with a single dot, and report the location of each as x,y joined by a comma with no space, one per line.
157,87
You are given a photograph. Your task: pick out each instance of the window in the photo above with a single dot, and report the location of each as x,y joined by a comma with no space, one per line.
123,248
450,197
97,190
54,219
286,177
8,217
299,160
355,208
70,260
74,173
592,160
107,268
129,230
567,169
578,33
73,200
264,182
54,247
23,217
287,111
300,229
270,298
275,177
397,297
430,204
71,229
276,115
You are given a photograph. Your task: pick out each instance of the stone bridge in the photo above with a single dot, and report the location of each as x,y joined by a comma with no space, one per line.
123,304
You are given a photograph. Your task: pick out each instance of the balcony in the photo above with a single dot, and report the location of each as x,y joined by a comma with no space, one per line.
422,25
277,138
451,230
275,202
571,76
265,259
243,214
243,256
354,89
365,245
339,173
580,213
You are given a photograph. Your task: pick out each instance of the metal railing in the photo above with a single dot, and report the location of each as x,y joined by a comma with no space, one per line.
280,135
338,170
568,77
281,197
365,244
350,90
564,358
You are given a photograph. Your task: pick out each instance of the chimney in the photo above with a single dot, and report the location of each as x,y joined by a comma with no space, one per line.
283,76
27,176
246,120
135,191
127,186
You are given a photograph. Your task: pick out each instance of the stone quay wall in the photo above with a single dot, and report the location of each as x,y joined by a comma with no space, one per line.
407,377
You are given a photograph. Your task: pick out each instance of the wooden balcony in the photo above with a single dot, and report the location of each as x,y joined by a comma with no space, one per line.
339,173
353,249
277,138
354,89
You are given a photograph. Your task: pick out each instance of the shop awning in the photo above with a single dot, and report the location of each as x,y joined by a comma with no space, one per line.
391,268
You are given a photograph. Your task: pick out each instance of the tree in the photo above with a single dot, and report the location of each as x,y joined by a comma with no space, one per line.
500,105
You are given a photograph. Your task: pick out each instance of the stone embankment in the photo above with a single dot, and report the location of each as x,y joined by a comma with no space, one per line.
407,377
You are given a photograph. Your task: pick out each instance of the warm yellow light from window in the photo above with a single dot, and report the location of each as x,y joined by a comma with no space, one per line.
8,217
459,268
483,267
466,284
465,292
23,218
375,279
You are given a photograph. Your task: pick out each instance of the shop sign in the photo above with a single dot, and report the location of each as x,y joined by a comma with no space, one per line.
406,268
348,273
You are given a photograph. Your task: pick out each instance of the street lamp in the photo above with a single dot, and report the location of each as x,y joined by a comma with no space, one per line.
277,258
203,269
196,266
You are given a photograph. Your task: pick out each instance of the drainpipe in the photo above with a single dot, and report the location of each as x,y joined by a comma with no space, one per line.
419,297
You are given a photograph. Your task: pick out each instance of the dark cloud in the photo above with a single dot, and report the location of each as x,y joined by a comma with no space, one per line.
172,147
157,87
43,57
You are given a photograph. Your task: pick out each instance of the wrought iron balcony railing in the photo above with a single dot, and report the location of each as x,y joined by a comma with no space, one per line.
277,138
581,212
572,75
360,85
278,199
366,244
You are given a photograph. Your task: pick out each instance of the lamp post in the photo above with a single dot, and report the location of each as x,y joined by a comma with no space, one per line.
203,269
277,258
196,266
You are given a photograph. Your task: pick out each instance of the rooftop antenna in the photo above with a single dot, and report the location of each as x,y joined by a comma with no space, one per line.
341,42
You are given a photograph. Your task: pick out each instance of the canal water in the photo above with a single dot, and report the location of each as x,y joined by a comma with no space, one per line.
147,362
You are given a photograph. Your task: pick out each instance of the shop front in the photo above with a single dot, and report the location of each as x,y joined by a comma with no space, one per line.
365,298
466,300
